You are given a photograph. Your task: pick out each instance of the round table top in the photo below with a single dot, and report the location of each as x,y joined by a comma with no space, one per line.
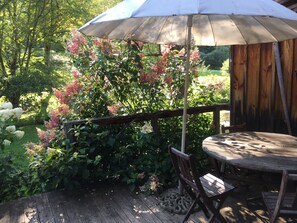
270,152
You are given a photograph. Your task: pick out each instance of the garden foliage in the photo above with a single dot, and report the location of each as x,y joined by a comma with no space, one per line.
113,78
11,179
215,56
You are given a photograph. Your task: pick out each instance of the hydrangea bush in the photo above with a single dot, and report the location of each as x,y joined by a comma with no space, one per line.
114,78
8,131
12,183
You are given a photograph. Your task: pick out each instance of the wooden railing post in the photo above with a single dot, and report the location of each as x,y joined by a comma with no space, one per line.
155,124
67,126
216,119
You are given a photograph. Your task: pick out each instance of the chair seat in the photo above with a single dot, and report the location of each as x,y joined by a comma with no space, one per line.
214,186
270,199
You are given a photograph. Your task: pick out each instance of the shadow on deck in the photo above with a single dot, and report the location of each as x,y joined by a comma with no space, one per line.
109,204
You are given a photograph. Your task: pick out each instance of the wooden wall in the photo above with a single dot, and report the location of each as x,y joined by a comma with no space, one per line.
255,94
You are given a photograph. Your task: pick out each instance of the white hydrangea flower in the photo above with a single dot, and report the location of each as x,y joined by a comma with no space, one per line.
17,112
19,134
50,150
10,129
5,114
147,128
6,105
6,142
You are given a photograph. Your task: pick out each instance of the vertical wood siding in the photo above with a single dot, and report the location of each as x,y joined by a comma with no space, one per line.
255,94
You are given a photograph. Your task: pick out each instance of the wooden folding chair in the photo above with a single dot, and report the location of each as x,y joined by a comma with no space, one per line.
282,203
208,191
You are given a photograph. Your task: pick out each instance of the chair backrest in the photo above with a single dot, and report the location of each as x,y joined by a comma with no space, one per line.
286,202
234,128
186,169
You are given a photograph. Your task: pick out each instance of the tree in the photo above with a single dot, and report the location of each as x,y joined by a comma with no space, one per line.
19,22
215,58
26,28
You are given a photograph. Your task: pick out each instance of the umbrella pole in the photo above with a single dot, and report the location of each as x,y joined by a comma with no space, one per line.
187,80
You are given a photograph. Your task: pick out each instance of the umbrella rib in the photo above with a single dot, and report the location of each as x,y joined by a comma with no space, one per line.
120,22
134,30
285,21
162,28
213,35
275,40
238,30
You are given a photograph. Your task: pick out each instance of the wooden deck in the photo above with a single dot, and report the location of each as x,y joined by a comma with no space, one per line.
108,204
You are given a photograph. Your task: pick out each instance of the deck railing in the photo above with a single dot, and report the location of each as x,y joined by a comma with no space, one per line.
153,117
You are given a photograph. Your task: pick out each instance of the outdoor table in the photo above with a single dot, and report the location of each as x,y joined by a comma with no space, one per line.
262,151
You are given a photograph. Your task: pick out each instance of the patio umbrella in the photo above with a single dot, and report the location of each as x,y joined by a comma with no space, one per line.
197,22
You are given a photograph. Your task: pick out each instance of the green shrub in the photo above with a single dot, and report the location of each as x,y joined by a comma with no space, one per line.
138,158
13,179
115,78
215,58
225,67
60,164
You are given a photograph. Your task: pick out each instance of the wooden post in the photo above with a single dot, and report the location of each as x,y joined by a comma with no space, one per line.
66,127
281,85
155,125
216,120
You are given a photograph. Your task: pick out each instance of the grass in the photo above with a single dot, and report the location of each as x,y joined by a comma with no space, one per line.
213,78
212,72
17,149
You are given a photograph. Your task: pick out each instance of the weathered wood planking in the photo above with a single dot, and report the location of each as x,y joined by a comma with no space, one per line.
44,212
267,71
279,116
107,203
261,151
264,109
287,51
293,102
252,86
238,84
102,204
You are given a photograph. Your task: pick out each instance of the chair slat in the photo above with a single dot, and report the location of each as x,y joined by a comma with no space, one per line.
214,186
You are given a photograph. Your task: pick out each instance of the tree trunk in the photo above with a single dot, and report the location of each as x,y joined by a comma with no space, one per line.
14,99
47,53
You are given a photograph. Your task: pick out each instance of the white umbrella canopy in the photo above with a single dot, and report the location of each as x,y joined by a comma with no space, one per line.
224,22
197,22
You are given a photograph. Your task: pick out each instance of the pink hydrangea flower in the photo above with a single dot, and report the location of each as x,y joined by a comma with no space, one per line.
93,56
168,79
75,73
194,56
143,77
54,120
46,136
97,42
73,48
113,109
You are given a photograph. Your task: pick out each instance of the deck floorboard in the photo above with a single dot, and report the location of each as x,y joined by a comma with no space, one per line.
107,204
